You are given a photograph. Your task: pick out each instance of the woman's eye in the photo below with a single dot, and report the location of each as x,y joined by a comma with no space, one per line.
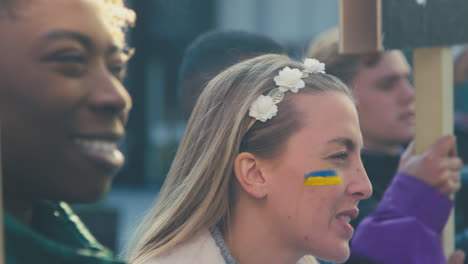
340,156
71,59
341,159
71,64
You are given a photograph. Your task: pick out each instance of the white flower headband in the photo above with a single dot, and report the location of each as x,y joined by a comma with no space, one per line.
264,107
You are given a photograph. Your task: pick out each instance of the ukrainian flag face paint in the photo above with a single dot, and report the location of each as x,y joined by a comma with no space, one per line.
323,177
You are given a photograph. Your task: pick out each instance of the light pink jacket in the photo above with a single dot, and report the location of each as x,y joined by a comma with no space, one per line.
201,249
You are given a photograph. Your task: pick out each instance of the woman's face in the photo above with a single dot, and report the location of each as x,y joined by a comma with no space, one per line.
62,104
315,219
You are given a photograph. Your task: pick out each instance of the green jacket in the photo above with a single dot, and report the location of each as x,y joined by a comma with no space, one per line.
56,236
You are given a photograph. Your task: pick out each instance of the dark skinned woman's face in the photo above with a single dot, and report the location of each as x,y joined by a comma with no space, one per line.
63,107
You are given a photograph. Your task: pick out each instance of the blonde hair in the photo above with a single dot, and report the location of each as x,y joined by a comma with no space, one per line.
117,15
198,191
325,48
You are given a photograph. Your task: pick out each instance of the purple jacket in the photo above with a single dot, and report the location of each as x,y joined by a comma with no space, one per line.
406,227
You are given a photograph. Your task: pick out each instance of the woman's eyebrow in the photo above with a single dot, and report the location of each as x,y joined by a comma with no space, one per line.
69,35
84,40
348,143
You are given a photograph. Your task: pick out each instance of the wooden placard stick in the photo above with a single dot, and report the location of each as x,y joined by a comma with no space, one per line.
360,26
433,80
2,245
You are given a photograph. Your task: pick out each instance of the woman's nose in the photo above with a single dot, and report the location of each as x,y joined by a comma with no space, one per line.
360,186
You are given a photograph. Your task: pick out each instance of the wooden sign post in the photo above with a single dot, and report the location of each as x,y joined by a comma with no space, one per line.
374,25
2,245
360,26
433,81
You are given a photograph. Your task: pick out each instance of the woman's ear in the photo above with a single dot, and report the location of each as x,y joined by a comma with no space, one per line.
249,175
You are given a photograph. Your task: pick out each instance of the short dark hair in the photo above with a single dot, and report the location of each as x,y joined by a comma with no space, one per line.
344,66
210,54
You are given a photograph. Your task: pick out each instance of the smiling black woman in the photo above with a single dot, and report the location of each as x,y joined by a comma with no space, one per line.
63,110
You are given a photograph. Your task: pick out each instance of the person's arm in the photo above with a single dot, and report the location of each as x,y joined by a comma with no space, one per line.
406,226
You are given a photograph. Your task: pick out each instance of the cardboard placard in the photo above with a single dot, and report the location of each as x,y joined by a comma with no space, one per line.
408,24
370,25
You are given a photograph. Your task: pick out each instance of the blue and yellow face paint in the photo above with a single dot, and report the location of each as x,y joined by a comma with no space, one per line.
323,177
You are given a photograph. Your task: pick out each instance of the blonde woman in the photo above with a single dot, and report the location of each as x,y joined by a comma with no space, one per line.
242,187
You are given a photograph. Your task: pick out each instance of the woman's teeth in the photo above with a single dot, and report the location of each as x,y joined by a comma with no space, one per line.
105,149
345,217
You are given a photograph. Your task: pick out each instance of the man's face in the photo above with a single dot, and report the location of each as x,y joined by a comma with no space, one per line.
62,104
385,102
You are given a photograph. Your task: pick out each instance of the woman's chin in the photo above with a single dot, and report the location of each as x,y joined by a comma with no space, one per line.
338,255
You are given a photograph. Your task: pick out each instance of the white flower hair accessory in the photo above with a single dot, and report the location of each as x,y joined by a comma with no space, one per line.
265,106
313,65
289,79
